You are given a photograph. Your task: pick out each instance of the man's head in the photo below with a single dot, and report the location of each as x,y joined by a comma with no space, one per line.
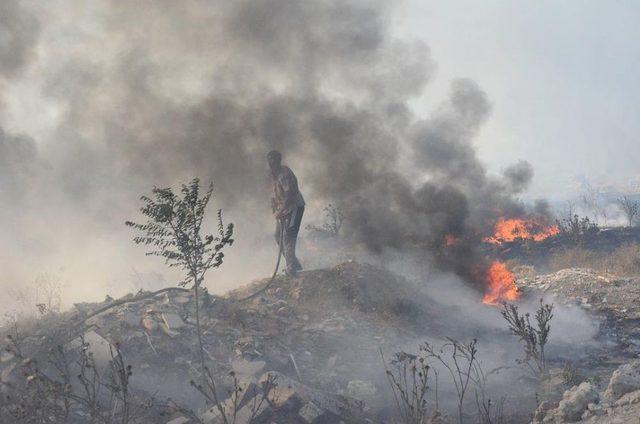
275,159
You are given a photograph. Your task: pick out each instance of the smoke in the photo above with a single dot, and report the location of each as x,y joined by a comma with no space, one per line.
157,92
19,32
519,175
17,155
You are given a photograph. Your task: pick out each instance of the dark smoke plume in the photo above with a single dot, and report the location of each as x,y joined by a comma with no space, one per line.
156,92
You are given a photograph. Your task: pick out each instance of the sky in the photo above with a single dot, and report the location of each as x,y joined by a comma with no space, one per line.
562,77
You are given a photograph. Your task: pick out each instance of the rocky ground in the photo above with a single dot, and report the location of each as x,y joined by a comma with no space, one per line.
324,328
320,336
610,390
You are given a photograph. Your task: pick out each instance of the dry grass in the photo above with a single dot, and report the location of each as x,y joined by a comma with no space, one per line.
623,261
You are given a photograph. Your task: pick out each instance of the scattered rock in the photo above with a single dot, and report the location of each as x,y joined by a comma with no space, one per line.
172,321
287,390
541,411
179,420
629,399
575,401
360,389
149,324
624,380
181,300
310,412
131,319
246,368
96,344
6,356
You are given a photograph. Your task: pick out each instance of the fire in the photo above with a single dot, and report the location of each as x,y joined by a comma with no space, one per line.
502,285
512,229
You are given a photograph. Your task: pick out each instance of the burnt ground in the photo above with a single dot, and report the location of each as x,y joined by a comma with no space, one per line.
321,334
325,328
538,254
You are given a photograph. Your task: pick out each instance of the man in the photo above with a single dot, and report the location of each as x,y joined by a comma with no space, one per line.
287,206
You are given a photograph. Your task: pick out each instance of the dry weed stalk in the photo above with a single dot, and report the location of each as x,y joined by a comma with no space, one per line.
258,397
459,360
534,339
409,382
67,388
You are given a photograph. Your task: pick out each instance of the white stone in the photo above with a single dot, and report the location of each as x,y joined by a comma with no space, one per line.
360,389
245,368
172,321
179,420
100,348
576,400
629,399
181,300
624,380
310,412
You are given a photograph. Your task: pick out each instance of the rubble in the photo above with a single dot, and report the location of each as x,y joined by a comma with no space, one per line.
101,349
575,401
624,380
629,399
179,420
172,321
245,368
578,286
571,408
361,389
288,401
611,300
619,404
614,302
310,412
319,333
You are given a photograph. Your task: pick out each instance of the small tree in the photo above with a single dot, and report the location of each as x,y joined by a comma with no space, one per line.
630,208
334,218
174,231
577,229
592,200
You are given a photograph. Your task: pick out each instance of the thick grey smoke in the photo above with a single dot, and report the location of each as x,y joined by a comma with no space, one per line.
17,171
156,92
19,32
519,175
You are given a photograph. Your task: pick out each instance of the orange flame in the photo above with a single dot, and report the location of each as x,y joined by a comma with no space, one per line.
507,230
502,285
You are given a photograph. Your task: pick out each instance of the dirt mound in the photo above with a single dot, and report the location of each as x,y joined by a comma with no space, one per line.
349,287
323,329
